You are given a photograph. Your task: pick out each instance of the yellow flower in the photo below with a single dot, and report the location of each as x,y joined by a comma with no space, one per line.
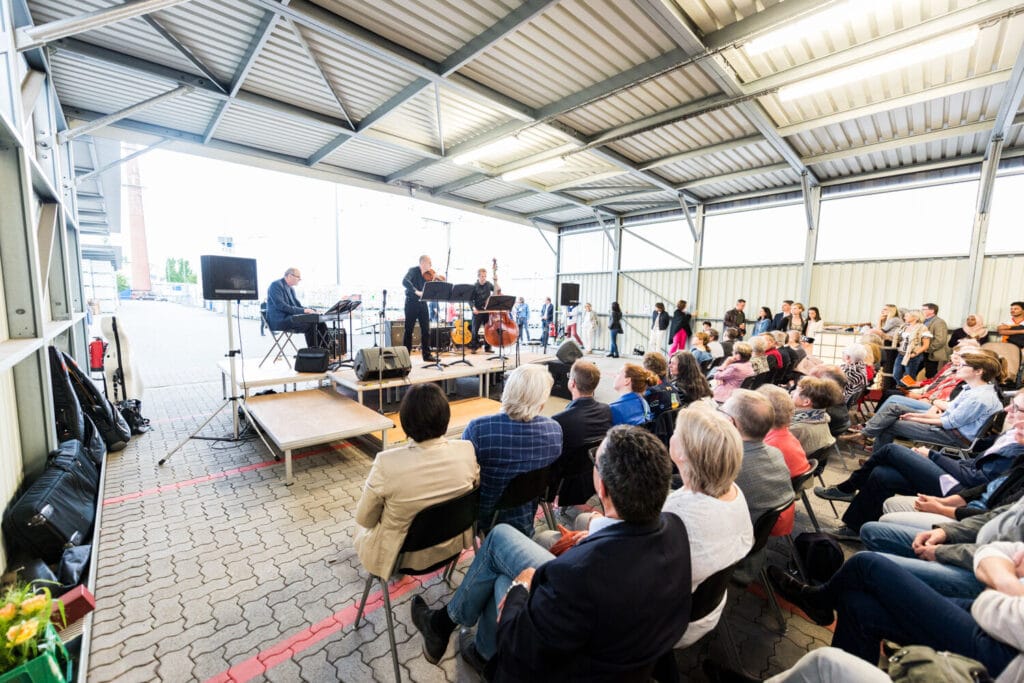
20,633
8,611
32,605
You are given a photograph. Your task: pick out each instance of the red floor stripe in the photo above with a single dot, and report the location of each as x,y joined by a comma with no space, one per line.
307,637
115,500
758,590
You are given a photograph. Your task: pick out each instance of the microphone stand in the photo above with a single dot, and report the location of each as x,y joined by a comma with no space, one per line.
380,357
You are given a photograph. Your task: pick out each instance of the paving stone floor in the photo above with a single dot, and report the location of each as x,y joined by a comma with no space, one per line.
210,569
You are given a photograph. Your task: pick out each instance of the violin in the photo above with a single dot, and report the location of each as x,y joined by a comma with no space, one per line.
430,275
500,329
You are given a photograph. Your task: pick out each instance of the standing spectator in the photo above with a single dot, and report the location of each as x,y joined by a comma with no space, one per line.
764,321
547,317
571,318
679,331
974,328
733,371
795,319
1013,329
914,342
778,322
630,407
659,328
522,316
938,349
587,325
815,325
735,317
888,324
615,329
516,440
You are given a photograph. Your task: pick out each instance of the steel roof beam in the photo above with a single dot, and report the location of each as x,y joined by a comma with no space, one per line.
581,183
509,198
37,36
107,120
185,51
114,164
553,209
725,177
323,74
510,23
679,27
1011,100
703,151
632,195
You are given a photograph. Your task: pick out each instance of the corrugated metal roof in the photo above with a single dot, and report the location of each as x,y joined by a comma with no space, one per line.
602,83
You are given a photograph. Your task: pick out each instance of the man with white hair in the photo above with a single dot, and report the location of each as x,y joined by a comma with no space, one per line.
516,440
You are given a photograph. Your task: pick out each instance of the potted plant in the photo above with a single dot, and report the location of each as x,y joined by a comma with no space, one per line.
30,649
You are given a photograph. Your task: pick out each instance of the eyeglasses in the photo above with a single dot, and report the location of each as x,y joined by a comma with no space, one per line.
593,458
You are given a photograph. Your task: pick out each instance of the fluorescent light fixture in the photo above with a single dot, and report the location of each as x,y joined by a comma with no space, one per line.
534,169
814,24
932,49
502,145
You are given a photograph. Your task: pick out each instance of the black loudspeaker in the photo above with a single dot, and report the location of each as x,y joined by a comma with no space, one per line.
394,331
560,375
227,278
569,294
440,338
569,352
337,342
383,362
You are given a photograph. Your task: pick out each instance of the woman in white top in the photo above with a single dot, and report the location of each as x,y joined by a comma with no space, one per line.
815,325
586,324
709,453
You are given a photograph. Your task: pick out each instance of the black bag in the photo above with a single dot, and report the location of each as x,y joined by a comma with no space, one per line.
66,407
56,512
131,411
560,375
113,428
93,443
820,555
385,363
569,352
312,359
74,566
73,457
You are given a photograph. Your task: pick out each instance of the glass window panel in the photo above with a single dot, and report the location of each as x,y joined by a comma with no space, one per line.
757,237
640,255
588,252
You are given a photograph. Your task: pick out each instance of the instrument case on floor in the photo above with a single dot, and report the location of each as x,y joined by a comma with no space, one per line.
312,359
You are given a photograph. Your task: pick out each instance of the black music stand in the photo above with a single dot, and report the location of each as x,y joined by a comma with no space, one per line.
435,291
463,294
503,303
337,310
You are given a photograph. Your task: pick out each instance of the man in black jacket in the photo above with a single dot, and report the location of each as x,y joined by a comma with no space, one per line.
415,308
605,610
735,317
583,421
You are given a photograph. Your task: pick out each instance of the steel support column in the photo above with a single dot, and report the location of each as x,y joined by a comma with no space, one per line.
697,228
979,231
812,209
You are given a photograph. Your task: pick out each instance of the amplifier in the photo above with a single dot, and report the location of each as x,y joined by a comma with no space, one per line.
336,342
394,332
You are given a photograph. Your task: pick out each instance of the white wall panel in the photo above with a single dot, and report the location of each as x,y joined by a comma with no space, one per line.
639,290
759,285
596,290
10,444
854,291
1002,281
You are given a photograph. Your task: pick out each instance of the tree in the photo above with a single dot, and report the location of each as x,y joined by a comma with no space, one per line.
179,270
122,283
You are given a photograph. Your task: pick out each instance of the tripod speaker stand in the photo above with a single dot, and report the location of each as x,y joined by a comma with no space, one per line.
237,402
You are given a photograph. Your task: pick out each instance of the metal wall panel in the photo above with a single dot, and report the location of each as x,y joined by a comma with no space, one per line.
596,290
855,291
759,285
11,472
639,290
1002,281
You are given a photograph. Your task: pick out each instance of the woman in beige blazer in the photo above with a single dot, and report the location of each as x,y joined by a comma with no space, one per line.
429,469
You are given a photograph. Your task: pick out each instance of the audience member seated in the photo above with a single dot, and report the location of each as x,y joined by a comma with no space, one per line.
888,325
709,453
583,420
795,347
516,440
700,347
605,610
780,437
954,424
895,469
974,329
716,347
662,396
773,355
758,359
877,599
811,398
687,379
912,347
630,408
856,372
732,372
732,335
283,306
786,353
938,388
427,470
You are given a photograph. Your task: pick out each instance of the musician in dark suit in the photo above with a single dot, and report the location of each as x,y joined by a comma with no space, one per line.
415,308
283,306
605,610
583,420
482,290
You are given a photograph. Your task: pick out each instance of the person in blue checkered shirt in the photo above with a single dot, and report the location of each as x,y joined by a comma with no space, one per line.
516,440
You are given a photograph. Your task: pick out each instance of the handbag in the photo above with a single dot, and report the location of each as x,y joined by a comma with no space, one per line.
312,359
920,663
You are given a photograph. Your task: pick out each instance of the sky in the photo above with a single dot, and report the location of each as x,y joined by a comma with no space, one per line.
285,220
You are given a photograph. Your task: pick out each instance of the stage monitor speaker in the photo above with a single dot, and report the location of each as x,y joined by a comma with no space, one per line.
570,294
569,352
382,362
228,278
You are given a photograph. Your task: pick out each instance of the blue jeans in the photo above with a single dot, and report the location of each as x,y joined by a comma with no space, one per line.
891,469
911,368
885,425
544,327
614,350
876,599
504,553
895,540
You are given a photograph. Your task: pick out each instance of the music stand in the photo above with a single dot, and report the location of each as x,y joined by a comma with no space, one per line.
500,303
435,291
345,306
463,294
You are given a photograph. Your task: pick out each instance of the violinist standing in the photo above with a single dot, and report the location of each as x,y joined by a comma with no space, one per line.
482,290
415,308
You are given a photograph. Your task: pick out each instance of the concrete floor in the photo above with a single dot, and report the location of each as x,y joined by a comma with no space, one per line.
210,569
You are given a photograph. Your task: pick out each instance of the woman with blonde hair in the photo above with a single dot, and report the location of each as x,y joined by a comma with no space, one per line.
587,326
630,408
708,451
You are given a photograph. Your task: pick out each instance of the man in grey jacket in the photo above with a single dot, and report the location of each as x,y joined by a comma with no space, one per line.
938,351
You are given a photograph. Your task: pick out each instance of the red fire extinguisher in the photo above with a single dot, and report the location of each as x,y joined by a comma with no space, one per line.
96,349
551,329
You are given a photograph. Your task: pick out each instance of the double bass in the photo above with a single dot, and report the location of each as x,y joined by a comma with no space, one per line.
500,329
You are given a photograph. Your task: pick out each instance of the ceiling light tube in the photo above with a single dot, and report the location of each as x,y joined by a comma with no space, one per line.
932,49
814,24
502,145
534,169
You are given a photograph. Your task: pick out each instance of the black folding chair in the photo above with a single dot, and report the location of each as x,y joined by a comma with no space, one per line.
762,531
801,483
525,488
431,526
281,340
821,456
992,425
754,381
571,479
